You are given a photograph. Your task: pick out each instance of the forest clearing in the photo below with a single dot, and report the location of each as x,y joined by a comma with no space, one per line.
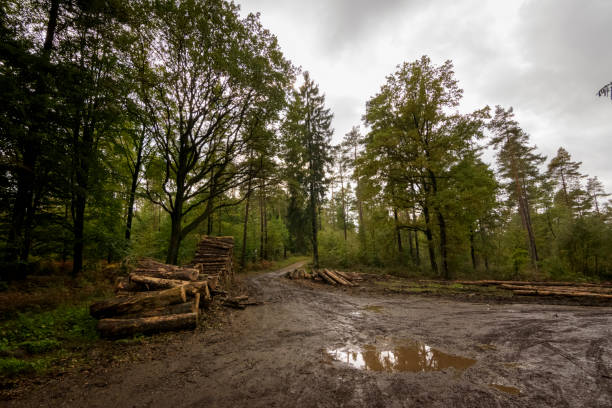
311,345
313,204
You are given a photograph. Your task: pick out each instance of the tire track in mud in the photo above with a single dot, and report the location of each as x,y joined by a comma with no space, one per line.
274,355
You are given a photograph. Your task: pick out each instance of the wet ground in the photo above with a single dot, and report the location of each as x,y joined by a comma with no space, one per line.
311,345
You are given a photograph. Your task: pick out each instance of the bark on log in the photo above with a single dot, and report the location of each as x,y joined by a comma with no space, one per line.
180,308
139,303
343,275
563,294
124,285
338,278
591,289
526,283
185,274
115,328
200,288
326,278
351,277
150,282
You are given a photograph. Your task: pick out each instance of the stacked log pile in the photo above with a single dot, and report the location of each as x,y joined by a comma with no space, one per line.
214,257
561,289
154,298
331,277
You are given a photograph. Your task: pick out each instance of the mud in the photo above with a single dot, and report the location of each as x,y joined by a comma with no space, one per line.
399,356
276,355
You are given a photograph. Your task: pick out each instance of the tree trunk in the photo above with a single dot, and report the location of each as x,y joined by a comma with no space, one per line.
175,239
245,226
430,243
523,208
265,214
441,226
416,248
83,152
313,214
19,234
526,220
397,231
472,250
261,224
133,187
443,244
343,206
410,245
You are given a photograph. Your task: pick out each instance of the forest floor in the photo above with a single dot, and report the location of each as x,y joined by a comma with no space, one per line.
311,345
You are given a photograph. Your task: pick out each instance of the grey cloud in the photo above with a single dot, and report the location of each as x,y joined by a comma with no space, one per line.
546,58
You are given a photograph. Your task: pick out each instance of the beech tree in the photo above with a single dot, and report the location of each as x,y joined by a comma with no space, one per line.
418,138
210,69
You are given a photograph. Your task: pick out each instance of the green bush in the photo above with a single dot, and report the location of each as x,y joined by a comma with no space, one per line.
40,346
39,332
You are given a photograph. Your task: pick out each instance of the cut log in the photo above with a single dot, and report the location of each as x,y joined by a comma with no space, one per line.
180,308
139,303
526,283
200,288
346,276
326,278
150,282
123,285
213,281
591,289
184,274
116,328
562,293
338,278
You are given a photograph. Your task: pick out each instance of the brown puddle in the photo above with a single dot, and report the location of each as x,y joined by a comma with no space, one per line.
507,389
412,356
375,309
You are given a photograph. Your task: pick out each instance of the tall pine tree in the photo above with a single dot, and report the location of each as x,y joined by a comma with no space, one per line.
307,132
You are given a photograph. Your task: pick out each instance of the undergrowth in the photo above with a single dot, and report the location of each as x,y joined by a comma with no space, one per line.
32,341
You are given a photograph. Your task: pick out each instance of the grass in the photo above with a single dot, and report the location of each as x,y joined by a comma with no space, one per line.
399,285
44,318
34,340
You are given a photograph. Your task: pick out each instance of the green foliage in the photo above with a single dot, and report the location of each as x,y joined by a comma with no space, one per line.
42,335
12,366
42,331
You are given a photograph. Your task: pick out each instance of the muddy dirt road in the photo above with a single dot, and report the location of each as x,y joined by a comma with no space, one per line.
326,347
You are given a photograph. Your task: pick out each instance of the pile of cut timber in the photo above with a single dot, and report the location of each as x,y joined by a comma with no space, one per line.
154,298
214,257
562,289
326,275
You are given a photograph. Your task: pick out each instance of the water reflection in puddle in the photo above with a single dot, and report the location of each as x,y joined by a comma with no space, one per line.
410,356
373,308
506,389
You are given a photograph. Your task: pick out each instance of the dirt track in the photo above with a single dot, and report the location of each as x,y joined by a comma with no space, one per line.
274,355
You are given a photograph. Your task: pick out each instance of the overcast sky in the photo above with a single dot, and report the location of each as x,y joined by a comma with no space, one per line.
545,58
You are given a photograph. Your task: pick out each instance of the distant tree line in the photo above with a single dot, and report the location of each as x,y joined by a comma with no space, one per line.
130,128
420,198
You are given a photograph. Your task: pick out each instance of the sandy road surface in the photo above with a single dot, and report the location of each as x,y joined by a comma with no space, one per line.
276,355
